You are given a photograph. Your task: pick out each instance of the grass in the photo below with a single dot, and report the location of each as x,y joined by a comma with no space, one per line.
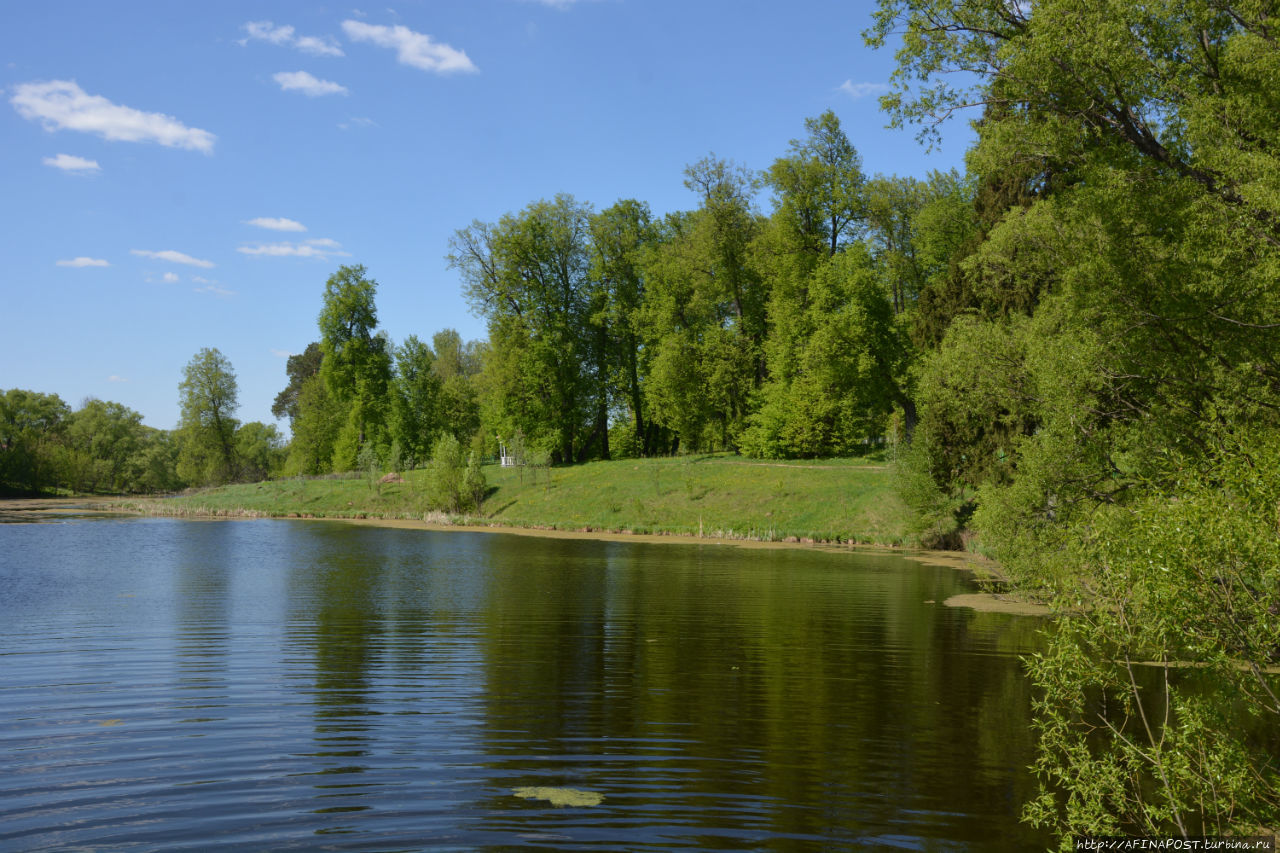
722,496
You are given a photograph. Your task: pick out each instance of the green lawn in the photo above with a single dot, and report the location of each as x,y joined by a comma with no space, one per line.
847,500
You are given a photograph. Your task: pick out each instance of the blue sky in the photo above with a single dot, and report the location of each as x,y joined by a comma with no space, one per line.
184,175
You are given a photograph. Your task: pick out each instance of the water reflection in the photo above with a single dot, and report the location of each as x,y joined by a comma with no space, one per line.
750,704
201,608
395,687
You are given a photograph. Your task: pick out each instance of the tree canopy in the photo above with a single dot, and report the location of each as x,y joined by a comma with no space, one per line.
1100,368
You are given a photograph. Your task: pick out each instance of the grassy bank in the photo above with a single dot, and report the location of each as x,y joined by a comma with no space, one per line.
721,496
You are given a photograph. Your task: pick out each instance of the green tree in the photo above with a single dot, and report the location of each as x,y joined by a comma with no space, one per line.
456,367
156,462
300,368
207,398
703,318
527,275
259,450
848,369
621,237
315,429
356,362
448,475
819,187
30,426
415,400
104,439
1116,380
474,484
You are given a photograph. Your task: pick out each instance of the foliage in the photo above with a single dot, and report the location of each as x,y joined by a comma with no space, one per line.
101,447
415,400
846,372
259,451
473,483
30,422
315,429
208,402
356,363
1103,390
457,366
300,368
819,187
527,275
448,488
1191,577
704,315
621,238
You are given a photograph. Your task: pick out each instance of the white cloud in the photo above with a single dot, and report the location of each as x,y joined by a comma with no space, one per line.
170,278
318,46
412,48
114,378
307,84
862,90
277,224
214,289
269,32
172,257
281,353
321,248
63,105
357,121
286,36
71,163
83,262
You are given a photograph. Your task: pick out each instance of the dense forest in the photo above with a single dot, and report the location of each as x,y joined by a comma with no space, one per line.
1077,346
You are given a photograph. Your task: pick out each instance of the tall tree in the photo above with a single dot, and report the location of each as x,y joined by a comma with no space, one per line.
847,371
356,362
315,429
415,400
300,367
621,236
456,367
527,275
207,397
704,313
819,186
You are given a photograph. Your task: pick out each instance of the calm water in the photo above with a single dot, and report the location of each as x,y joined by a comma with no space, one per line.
291,685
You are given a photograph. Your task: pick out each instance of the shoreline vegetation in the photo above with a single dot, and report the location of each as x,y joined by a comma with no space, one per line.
712,496
713,499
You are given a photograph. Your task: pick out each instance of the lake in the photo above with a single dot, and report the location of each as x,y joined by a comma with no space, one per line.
282,685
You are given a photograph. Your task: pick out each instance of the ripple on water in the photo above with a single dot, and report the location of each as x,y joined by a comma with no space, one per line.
300,686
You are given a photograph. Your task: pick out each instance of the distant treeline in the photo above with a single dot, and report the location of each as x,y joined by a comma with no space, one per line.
104,448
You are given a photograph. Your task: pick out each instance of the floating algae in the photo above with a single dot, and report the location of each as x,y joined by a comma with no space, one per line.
561,796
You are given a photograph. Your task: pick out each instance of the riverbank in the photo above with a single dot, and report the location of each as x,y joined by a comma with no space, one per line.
717,499
704,497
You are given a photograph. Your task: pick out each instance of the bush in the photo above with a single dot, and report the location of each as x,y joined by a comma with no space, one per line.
447,475
473,482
